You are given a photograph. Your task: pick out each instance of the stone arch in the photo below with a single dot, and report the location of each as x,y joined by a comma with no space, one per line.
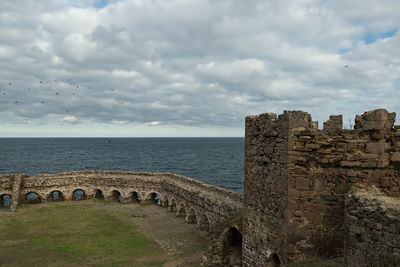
191,216
33,198
79,194
135,197
181,211
5,200
153,198
204,223
274,260
116,196
55,195
164,202
232,246
98,194
172,205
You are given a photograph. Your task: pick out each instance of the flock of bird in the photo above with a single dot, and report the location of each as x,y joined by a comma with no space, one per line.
50,88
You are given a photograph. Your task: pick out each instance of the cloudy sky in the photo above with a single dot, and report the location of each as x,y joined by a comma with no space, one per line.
191,67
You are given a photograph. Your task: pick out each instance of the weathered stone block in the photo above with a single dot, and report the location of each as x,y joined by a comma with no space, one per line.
395,156
302,183
345,163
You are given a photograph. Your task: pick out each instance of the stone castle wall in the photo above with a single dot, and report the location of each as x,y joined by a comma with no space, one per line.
372,228
296,177
206,205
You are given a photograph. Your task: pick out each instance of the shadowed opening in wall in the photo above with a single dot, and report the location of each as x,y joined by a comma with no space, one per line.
116,196
99,194
191,218
232,246
155,199
56,196
172,205
276,262
5,201
33,198
204,223
79,194
135,197
181,212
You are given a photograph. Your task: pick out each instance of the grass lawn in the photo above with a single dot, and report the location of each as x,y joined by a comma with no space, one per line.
80,233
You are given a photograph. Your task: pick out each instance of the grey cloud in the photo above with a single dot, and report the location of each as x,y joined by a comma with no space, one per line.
193,63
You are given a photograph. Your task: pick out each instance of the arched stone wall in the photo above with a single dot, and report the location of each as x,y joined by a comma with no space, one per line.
186,197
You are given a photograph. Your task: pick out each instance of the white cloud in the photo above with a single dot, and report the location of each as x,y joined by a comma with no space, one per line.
194,63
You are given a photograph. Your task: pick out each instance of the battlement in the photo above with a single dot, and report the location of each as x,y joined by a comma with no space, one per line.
296,177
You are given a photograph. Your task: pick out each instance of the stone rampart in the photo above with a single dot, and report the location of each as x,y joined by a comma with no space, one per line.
206,205
296,177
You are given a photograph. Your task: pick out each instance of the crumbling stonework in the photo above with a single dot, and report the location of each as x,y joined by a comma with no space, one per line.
205,205
372,228
296,177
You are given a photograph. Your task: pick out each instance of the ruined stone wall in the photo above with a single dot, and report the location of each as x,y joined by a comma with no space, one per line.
198,202
296,177
265,187
372,228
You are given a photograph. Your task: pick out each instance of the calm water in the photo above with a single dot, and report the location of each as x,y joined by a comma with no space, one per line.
218,161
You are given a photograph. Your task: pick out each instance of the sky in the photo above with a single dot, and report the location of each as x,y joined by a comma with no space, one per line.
184,68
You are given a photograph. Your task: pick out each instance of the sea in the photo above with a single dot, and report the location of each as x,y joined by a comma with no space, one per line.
217,161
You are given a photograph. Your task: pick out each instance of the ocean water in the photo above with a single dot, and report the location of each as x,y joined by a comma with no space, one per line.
217,161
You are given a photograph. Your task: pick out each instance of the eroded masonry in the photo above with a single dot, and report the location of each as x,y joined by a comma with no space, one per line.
301,195
308,193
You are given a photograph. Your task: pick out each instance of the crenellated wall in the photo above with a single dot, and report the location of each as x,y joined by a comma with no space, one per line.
206,205
296,177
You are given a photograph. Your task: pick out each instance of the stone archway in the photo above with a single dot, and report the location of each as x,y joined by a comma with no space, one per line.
153,199
5,201
99,194
204,223
274,261
181,211
56,195
164,202
191,216
172,205
232,246
79,194
116,196
135,197
33,198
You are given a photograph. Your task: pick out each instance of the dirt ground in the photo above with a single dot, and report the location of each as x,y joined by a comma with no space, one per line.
184,243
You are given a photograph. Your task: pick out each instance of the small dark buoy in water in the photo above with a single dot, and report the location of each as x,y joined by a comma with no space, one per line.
109,140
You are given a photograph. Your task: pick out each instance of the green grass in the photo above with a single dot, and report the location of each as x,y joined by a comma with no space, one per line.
72,234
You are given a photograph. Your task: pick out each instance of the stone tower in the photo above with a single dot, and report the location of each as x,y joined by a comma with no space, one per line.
296,177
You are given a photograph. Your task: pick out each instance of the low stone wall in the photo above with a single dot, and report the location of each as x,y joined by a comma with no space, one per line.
372,228
206,205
